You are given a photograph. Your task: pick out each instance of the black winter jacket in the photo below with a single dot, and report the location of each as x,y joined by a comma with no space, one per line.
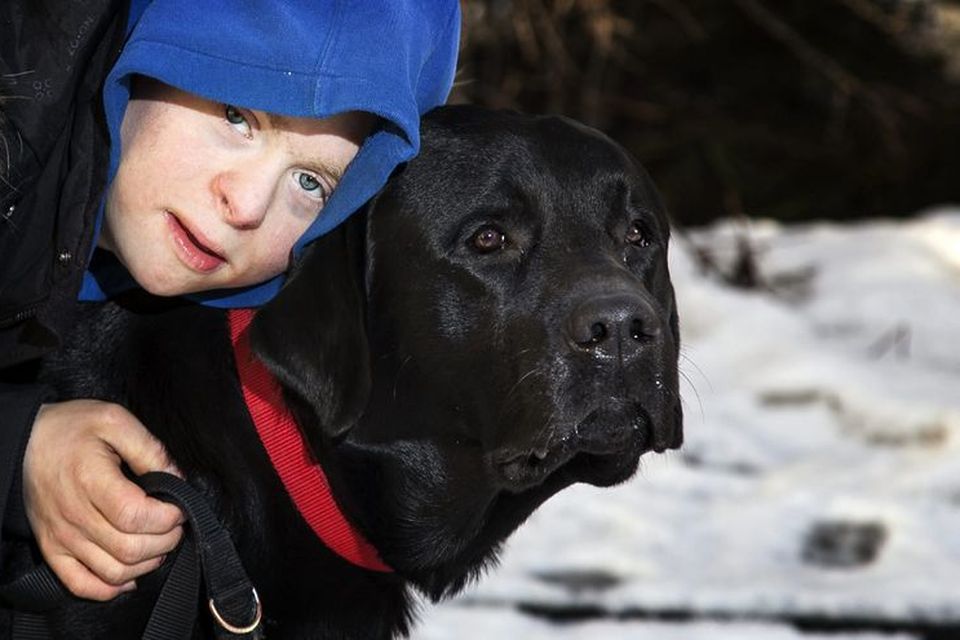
54,150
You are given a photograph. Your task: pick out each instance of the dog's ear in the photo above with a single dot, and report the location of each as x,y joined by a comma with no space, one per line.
312,335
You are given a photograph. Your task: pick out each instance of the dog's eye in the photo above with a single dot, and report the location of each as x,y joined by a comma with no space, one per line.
637,234
488,239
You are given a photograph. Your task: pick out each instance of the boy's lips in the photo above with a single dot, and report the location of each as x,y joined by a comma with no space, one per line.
194,250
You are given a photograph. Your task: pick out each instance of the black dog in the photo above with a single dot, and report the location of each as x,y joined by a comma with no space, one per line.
499,326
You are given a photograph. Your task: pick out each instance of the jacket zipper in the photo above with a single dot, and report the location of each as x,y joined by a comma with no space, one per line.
20,316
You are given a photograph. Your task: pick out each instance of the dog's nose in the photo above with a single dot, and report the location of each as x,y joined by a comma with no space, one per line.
614,325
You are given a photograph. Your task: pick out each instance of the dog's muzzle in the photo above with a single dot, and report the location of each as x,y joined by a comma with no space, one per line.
619,356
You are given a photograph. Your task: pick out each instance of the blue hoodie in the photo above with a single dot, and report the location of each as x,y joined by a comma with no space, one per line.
301,58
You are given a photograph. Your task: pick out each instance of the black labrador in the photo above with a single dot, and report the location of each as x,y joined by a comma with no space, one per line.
501,324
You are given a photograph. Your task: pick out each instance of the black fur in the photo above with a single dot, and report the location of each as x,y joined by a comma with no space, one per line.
447,392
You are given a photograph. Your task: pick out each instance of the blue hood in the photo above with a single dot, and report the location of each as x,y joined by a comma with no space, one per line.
393,58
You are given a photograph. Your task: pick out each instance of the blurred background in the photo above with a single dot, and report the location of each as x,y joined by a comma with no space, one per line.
787,109
809,154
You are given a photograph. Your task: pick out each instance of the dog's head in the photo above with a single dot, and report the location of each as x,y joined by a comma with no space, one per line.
501,326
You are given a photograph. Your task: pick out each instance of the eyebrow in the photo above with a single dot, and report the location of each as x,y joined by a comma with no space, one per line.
277,121
335,173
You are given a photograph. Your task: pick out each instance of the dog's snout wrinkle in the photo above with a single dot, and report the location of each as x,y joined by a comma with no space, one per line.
613,326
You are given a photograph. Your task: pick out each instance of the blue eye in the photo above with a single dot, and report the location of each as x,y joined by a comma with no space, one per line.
234,116
308,182
311,186
237,120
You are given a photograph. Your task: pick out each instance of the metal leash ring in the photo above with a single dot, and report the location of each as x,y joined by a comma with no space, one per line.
239,630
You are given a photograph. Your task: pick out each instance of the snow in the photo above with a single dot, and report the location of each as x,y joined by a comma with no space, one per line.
830,397
464,622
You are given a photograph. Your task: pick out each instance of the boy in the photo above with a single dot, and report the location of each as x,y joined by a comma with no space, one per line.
229,136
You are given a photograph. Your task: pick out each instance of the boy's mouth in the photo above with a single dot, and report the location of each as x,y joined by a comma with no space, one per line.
193,249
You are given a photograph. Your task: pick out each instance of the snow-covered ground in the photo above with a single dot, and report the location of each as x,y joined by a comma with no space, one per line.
821,470
455,622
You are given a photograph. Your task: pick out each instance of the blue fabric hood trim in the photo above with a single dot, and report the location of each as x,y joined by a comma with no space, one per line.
302,58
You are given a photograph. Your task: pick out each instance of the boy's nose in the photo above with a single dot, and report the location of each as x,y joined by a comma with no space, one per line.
242,198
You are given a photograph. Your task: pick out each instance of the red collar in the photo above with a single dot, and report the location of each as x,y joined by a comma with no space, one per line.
301,475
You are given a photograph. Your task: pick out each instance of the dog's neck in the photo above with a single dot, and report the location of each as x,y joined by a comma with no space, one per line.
302,476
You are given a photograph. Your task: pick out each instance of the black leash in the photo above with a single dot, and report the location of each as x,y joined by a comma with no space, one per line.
206,554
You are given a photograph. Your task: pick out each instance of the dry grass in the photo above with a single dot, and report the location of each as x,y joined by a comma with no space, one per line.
796,109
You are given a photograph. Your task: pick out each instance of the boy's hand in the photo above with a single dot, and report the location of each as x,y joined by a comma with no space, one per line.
97,530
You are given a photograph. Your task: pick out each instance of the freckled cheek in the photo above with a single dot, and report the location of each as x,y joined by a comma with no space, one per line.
273,258
160,178
276,261
129,201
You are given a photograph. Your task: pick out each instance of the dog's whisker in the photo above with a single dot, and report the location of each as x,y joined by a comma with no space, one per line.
695,391
396,380
549,421
553,411
507,405
698,369
674,393
517,384
689,380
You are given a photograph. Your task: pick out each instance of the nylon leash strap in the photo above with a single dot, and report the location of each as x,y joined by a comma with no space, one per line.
206,555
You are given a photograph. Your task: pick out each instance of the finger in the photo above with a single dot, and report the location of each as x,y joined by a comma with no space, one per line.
128,509
132,549
108,569
82,582
139,448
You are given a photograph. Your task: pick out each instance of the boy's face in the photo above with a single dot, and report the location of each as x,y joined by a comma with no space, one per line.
211,196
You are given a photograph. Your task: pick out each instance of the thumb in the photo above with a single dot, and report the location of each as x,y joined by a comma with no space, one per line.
136,446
